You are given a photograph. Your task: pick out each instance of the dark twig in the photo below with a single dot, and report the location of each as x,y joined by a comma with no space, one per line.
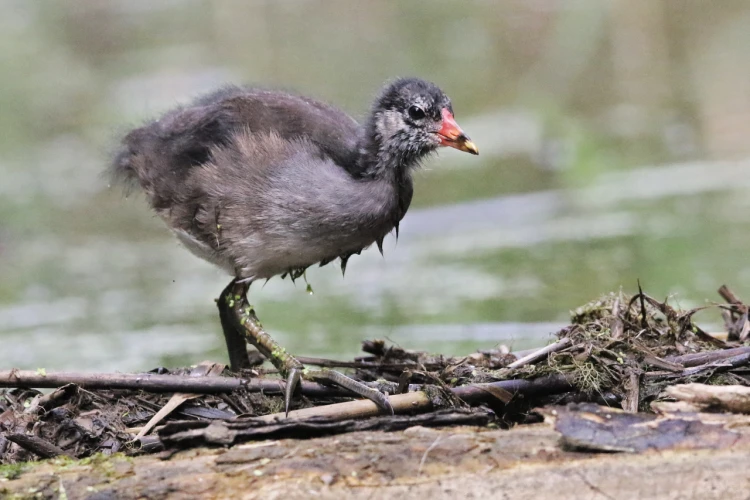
708,338
729,295
58,397
644,319
54,399
36,445
157,383
738,324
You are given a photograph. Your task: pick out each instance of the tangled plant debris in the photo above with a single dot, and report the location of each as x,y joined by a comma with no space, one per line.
619,350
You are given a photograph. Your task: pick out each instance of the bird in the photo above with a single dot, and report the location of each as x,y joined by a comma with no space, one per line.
263,183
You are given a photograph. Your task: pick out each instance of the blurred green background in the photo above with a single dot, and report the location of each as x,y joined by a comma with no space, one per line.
614,139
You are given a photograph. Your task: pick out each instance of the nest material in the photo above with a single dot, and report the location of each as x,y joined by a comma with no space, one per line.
618,350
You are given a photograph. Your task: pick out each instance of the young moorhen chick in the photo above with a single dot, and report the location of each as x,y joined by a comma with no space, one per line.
263,183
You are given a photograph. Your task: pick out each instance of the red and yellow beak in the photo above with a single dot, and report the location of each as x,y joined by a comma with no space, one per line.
452,136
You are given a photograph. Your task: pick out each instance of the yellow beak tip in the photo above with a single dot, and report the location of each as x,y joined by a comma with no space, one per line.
470,147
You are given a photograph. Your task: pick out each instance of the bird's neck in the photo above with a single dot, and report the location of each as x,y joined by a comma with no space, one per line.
384,158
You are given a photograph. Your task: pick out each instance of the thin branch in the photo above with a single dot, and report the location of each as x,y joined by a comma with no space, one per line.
701,358
729,295
644,318
158,383
719,365
541,353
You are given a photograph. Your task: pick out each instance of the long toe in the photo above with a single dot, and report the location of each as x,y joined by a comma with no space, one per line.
358,388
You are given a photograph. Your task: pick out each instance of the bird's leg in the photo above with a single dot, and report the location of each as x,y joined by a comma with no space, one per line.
239,322
241,325
236,343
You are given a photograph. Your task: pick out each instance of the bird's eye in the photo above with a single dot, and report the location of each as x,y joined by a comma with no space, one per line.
416,113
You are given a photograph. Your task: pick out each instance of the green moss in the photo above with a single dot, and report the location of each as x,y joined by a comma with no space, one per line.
13,471
596,310
598,360
720,379
590,378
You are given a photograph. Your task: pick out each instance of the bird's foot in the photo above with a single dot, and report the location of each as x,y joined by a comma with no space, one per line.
332,377
241,325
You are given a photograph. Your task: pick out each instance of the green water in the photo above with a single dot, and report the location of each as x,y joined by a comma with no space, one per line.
603,161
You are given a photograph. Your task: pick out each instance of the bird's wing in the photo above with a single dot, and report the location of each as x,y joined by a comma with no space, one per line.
160,155
216,117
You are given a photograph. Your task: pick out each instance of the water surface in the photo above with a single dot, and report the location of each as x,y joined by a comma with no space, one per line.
602,162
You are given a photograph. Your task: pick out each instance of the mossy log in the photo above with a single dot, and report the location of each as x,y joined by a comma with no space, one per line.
527,462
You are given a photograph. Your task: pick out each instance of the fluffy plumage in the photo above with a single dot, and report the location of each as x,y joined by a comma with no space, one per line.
264,182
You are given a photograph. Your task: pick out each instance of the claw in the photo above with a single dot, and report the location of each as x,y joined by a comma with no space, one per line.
292,381
382,401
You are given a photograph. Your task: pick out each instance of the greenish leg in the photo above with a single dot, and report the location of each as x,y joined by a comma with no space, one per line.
241,325
236,343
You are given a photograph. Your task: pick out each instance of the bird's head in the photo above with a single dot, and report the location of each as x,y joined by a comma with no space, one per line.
412,117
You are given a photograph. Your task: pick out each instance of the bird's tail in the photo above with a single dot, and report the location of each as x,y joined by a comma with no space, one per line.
128,167
124,169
